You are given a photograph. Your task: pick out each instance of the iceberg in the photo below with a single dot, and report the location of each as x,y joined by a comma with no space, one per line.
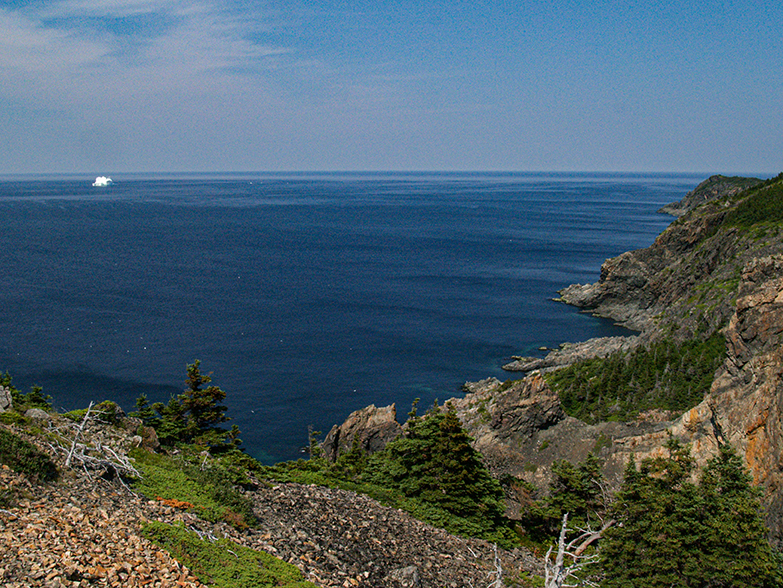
102,181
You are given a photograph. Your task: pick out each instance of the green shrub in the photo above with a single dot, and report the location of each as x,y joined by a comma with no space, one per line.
211,490
35,398
223,563
22,457
12,417
106,412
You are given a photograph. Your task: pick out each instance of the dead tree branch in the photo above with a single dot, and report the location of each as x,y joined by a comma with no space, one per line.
79,431
93,456
570,557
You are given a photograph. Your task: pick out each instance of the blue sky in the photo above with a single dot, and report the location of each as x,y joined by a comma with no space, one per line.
100,86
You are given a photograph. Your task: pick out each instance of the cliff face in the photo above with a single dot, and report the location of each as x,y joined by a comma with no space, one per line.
701,275
692,267
713,188
744,406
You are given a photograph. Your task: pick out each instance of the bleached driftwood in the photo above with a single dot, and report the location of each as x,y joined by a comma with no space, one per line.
93,456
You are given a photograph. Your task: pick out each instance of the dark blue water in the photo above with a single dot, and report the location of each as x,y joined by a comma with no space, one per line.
307,296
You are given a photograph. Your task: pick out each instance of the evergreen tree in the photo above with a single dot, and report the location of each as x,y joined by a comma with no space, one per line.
674,533
733,524
435,463
172,425
144,411
575,489
194,415
202,404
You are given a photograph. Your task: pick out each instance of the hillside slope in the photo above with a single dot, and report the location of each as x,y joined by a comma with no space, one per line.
91,526
718,269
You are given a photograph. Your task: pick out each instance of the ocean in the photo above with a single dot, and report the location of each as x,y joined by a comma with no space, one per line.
309,295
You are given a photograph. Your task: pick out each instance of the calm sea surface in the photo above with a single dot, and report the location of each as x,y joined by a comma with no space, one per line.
307,295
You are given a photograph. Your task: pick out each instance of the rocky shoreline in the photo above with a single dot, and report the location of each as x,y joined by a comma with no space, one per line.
569,353
700,277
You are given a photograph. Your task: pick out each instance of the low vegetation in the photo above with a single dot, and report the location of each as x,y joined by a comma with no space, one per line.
761,204
21,456
210,491
224,564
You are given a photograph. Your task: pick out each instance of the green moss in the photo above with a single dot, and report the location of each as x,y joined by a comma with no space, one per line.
523,580
223,563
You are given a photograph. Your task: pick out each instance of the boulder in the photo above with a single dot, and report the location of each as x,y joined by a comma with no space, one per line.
372,427
37,414
6,402
407,577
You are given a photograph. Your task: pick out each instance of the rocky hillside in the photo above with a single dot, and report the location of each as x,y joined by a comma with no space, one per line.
88,523
717,270
712,188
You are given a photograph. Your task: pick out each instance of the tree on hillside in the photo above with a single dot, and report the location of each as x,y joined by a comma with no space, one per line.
193,416
578,490
434,462
672,532
733,523
201,401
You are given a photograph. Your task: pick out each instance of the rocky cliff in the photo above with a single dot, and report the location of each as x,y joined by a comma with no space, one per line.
703,275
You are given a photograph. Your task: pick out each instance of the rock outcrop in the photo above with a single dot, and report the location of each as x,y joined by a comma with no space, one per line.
520,428
569,353
699,277
371,427
713,188
5,399
693,266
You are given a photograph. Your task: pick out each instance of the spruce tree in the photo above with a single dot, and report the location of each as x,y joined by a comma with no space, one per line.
202,403
734,525
576,490
435,463
674,533
194,415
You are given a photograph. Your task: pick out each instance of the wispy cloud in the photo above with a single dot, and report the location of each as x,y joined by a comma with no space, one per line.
127,42
29,47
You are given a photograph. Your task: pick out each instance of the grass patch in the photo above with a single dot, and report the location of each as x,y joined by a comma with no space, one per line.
211,491
223,563
23,457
